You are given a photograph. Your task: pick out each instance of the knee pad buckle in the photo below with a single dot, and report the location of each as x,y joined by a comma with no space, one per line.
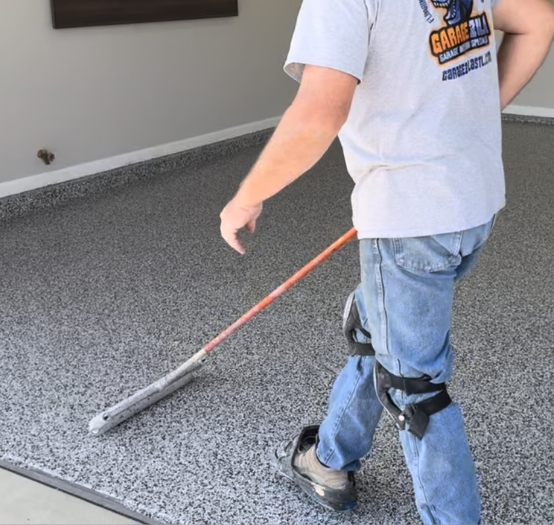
416,415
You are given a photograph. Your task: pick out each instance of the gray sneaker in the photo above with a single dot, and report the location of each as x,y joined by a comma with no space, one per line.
297,460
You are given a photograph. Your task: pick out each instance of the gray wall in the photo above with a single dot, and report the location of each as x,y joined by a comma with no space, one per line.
540,91
90,94
93,93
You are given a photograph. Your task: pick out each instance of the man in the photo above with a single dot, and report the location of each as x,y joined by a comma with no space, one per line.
414,91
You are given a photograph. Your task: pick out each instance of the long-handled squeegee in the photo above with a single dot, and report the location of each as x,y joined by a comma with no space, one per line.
181,376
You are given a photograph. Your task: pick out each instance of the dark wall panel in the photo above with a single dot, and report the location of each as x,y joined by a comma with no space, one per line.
82,13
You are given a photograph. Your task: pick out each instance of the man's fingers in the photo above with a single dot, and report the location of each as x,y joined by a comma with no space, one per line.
233,219
251,226
238,246
231,239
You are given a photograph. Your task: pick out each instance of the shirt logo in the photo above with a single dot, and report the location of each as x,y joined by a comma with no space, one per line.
461,32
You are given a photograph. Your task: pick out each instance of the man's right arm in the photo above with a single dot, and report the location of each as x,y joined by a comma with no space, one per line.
528,27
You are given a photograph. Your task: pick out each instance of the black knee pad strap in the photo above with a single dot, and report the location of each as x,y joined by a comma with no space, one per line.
415,415
352,323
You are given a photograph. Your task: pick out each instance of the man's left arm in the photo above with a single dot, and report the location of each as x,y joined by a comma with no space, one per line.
304,134
528,27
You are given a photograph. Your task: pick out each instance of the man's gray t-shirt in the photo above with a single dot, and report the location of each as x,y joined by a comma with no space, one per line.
423,138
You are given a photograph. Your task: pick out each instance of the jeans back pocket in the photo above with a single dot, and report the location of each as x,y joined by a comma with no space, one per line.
434,253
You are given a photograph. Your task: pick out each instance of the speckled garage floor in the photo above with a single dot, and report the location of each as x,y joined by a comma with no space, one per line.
105,294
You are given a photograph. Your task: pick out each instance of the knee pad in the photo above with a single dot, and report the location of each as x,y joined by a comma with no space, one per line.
351,323
416,415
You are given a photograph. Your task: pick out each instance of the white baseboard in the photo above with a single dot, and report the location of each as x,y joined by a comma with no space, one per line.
14,187
530,111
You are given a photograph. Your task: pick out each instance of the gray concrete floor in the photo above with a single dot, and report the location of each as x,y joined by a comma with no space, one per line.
28,502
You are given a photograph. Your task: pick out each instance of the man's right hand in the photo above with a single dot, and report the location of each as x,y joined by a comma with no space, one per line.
236,216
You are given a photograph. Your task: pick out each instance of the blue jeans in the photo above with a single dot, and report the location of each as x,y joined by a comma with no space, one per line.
405,302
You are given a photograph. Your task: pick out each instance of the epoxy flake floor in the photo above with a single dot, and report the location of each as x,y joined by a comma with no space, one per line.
105,294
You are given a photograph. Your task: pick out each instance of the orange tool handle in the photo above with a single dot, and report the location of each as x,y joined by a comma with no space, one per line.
264,303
